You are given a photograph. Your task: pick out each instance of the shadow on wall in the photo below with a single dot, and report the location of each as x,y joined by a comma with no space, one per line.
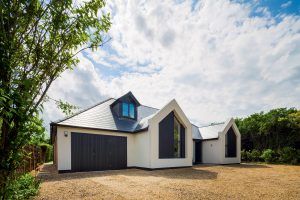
48,173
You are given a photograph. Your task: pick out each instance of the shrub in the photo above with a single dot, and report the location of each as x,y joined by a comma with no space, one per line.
255,155
269,156
244,156
24,187
48,151
288,155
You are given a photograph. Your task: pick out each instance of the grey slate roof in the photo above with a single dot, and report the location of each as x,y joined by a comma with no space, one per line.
208,132
100,116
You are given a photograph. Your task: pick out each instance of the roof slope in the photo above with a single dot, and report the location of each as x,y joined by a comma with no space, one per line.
208,132
100,116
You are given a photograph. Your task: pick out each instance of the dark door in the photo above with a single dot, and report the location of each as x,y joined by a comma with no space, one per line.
198,151
90,152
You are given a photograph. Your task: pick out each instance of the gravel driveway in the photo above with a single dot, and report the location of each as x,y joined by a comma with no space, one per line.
244,181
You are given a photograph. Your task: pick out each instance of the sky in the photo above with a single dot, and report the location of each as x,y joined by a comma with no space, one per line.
218,59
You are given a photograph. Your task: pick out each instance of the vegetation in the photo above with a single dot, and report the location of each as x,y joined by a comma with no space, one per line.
274,129
273,136
48,149
23,187
39,40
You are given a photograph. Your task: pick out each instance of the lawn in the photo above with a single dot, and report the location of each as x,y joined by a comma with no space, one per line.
244,181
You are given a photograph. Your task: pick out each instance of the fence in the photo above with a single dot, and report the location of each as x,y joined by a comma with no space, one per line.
33,157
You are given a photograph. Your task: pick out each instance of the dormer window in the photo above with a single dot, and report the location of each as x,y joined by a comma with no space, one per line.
128,110
126,107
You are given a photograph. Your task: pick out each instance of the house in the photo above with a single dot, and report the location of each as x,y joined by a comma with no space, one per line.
122,133
218,143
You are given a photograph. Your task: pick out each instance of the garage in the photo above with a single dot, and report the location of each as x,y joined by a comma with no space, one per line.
91,152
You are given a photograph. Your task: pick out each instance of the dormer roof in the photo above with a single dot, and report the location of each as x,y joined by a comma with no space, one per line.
126,96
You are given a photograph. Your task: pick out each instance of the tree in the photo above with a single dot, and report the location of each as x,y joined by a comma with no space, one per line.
275,129
38,41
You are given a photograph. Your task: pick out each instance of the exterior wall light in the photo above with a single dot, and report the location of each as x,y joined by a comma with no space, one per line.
66,133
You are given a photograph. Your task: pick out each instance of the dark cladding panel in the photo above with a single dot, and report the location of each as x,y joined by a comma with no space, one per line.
231,143
166,137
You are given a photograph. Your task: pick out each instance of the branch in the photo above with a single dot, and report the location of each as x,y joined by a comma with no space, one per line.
92,46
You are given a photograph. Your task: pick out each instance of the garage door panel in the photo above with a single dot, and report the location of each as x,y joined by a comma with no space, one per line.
90,152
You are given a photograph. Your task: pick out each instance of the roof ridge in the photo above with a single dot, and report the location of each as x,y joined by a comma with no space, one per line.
86,109
212,124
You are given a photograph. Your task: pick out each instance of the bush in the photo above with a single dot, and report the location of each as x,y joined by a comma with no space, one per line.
244,156
255,155
288,155
23,187
48,151
269,156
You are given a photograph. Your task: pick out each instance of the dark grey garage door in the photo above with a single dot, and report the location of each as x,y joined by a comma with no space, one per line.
90,152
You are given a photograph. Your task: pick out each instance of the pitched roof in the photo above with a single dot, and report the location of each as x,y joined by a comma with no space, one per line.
100,116
208,132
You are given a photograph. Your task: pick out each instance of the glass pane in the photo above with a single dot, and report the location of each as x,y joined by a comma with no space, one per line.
176,139
131,110
125,109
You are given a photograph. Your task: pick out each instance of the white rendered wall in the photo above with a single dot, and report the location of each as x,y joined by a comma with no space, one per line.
134,143
142,153
211,151
155,162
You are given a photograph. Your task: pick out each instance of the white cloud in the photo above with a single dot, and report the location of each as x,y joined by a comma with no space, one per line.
287,4
217,61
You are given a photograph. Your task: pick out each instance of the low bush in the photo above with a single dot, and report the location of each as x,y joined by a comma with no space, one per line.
269,156
288,155
255,155
244,156
23,187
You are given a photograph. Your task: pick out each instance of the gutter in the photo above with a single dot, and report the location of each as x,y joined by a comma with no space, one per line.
99,129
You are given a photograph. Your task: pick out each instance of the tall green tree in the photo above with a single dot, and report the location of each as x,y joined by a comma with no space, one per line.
275,129
39,39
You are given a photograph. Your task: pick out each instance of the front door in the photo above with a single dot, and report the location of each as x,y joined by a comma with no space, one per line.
198,151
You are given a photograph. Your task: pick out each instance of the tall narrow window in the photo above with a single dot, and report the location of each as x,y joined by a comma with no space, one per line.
131,111
177,145
125,110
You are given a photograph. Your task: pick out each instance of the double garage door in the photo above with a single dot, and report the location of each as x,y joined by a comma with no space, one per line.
90,152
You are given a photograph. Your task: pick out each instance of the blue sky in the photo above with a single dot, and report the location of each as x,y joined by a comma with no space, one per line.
218,59
278,7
